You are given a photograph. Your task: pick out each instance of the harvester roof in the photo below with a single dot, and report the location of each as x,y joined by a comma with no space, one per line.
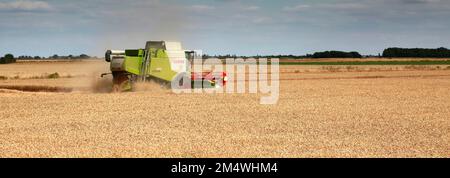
166,45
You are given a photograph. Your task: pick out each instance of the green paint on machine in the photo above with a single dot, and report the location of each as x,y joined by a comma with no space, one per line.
160,60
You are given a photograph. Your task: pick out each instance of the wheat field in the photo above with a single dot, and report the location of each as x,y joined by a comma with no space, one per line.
373,111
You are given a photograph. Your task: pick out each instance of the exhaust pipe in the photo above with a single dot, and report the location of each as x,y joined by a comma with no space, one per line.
113,53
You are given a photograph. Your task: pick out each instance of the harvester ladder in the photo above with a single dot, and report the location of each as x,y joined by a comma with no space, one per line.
144,67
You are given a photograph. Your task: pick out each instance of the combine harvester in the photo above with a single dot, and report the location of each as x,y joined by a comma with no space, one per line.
160,61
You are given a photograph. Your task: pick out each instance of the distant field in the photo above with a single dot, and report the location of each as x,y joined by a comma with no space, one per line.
361,59
323,111
421,62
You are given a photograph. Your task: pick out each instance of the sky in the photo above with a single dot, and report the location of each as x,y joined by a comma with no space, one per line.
241,27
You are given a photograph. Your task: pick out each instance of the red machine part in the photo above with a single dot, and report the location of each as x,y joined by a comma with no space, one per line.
210,76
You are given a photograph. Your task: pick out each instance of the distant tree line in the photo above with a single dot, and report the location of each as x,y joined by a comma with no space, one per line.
205,56
336,54
389,52
417,52
325,54
8,58
55,56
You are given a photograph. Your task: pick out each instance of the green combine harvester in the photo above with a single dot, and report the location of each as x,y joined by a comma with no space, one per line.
160,61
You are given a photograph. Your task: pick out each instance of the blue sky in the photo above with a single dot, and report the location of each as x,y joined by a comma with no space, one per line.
243,27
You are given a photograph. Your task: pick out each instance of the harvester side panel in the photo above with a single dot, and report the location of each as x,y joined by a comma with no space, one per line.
133,61
160,65
133,64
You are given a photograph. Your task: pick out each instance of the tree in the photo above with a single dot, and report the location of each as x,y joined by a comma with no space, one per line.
84,56
417,52
8,58
336,54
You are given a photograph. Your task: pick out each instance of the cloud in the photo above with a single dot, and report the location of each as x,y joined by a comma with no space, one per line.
327,6
345,6
299,7
261,20
251,8
421,1
201,8
25,6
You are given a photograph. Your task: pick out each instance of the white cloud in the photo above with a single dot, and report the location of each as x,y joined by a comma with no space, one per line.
201,8
421,1
299,7
25,6
251,8
261,20
326,7
345,6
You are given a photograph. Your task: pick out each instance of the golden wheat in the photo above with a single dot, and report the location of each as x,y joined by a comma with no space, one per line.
319,114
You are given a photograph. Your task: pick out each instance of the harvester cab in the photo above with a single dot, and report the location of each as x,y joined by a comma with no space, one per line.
159,61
